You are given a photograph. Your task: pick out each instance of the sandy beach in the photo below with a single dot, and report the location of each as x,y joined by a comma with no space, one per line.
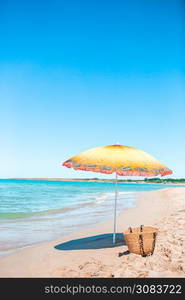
89,253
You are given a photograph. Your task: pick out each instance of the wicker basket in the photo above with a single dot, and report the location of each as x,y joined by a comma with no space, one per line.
141,240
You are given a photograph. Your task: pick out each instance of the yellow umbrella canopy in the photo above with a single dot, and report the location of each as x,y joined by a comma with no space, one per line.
124,160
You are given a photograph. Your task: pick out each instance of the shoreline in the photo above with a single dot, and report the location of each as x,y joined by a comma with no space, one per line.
97,180
13,250
5,253
99,258
15,232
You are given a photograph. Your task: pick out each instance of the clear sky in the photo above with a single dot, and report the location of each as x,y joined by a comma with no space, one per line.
79,74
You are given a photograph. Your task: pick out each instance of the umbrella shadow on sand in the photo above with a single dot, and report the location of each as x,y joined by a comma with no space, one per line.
93,242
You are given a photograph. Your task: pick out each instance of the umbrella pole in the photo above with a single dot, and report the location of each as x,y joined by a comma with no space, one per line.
115,204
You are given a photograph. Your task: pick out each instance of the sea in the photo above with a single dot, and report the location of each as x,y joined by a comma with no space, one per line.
35,211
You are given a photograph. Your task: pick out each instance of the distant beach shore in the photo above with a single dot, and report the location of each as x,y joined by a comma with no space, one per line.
89,253
151,181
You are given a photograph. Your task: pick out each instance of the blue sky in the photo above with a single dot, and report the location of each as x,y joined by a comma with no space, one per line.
80,74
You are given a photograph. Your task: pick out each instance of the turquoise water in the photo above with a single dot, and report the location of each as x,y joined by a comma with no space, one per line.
36,211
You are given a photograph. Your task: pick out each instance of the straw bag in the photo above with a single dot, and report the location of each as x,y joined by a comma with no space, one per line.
141,240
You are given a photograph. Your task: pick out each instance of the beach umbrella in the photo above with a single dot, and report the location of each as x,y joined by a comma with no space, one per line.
118,159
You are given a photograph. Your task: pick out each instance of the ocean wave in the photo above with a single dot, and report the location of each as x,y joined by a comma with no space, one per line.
97,199
19,215
102,197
